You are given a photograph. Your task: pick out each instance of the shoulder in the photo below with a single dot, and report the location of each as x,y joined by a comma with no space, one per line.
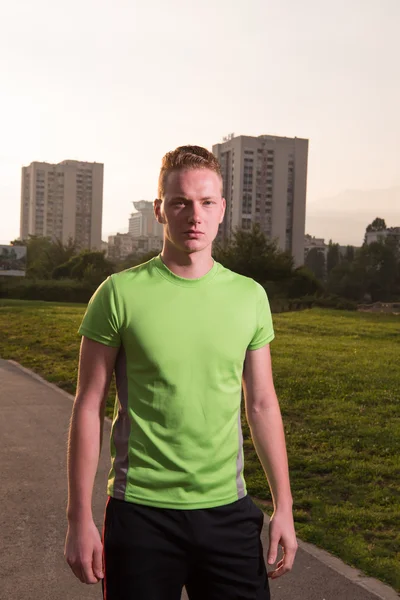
127,275
243,282
232,276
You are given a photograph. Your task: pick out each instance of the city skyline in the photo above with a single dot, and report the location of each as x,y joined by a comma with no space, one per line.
344,224
173,76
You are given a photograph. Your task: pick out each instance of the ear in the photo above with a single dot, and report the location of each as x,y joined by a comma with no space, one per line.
223,209
158,212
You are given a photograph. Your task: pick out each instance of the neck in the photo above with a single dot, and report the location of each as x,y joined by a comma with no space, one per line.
189,265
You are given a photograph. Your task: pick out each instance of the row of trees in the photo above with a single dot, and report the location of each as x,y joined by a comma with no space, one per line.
371,272
249,253
49,259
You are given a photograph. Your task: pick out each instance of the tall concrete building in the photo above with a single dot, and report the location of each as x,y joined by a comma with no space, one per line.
265,180
143,222
63,200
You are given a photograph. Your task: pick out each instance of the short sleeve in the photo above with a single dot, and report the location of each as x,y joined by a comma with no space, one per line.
264,332
100,322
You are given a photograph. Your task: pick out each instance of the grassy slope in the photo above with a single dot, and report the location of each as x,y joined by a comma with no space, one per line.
338,381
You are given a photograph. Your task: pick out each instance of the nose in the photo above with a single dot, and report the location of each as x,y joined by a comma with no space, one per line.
194,216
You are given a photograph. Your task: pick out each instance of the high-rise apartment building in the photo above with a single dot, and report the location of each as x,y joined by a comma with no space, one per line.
63,200
265,180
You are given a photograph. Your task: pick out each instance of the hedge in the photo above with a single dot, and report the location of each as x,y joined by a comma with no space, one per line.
51,290
71,290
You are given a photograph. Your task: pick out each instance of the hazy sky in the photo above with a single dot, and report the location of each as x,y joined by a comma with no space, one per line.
122,82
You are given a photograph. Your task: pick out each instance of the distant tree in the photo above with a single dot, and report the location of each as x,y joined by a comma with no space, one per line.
333,256
250,253
380,263
315,262
44,255
37,248
377,224
347,279
87,265
374,273
59,253
303,283
349,254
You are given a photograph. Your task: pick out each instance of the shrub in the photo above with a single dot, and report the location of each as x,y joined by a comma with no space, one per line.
49,290
303,283
331,301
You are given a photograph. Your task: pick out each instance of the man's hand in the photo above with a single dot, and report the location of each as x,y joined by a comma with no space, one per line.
281,531
83,551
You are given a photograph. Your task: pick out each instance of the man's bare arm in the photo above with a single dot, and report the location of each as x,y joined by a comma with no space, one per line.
96,365
265,421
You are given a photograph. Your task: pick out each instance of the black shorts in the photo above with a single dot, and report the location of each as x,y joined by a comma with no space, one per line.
151,553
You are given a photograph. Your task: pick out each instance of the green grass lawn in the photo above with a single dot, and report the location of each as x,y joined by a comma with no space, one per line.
337,377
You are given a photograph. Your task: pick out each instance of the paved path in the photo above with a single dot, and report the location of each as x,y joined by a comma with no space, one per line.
33,431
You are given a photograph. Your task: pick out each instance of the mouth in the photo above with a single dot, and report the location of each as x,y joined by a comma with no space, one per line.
193,232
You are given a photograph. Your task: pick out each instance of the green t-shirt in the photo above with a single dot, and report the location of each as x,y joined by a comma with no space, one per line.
176,438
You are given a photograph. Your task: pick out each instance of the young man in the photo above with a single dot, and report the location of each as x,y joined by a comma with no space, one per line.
182,334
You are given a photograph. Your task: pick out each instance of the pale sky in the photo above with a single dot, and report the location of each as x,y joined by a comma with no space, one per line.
122,82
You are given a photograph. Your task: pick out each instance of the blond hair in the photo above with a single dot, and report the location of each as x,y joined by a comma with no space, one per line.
186,157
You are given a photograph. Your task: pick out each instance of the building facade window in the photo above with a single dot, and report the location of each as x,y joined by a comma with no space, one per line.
247,202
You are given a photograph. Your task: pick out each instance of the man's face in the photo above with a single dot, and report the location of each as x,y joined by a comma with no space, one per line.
192,209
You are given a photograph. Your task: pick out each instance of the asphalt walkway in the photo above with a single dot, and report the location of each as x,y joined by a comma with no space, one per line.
34,425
